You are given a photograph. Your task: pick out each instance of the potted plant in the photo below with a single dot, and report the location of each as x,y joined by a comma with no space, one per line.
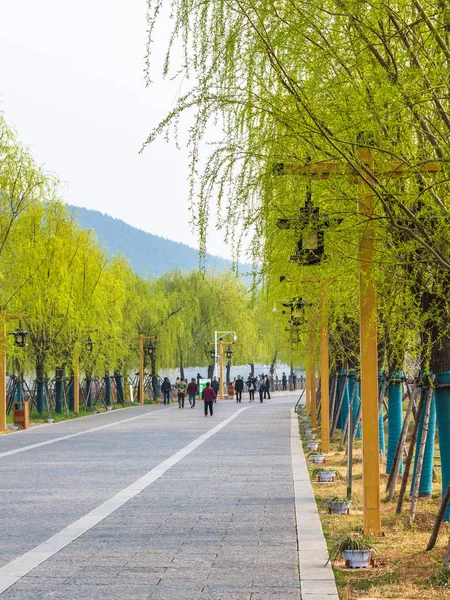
312,446
49,420
318,459
338,506
326,475
310,437
356,549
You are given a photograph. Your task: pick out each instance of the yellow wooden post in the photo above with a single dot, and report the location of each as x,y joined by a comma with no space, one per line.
308,388
312,374
76,379
221,372
2,371
324,371
369,358
141,369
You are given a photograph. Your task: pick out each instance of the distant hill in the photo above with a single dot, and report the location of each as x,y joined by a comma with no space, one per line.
148,254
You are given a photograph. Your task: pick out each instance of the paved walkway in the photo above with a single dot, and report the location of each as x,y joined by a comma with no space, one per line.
154,502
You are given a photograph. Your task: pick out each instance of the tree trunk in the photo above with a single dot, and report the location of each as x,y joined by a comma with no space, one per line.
446,565
210,372
59,373
423,441
395,470
40,387
439,519
408,462
181,365
252,369
228,375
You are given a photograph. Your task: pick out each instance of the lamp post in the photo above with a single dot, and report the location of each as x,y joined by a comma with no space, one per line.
149,350
366,170
221,344
20,341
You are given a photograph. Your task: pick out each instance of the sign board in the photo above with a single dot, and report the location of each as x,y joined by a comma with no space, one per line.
201,385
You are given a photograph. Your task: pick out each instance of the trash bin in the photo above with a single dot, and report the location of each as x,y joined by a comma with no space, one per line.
21,415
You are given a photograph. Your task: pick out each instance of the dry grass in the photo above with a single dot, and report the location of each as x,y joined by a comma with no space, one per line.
404,569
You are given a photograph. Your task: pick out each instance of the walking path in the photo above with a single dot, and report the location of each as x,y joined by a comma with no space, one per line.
168,505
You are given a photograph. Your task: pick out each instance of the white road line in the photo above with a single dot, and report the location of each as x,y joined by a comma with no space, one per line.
74,435
18,568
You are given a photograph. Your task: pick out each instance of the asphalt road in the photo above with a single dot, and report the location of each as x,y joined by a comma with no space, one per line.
152,502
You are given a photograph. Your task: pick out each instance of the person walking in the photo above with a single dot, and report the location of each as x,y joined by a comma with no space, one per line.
238,387
208,397
180,386
192,390
215,385
284,382
267,390
165,388
294,380
251,388
261,387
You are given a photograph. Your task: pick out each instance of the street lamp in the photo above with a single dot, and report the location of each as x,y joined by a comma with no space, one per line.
89,344
150,350
20,337
311,245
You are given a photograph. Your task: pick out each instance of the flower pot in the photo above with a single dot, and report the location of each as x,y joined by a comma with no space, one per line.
357,559
339,508
326,476
318,459
109,408
49,420
312,446
308,431
310,437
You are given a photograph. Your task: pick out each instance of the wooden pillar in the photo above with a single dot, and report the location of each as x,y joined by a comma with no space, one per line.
312,375
324,371
2,371
141,369
221,374
308,388
369,357
76,379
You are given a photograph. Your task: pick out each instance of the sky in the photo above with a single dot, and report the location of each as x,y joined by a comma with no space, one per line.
72,86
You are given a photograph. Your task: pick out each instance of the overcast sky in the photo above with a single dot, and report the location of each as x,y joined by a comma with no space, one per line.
71,84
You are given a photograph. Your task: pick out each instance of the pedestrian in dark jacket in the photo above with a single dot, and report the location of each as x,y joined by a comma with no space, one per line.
251,388
215,385
267,389
284,382
192,390
238,387
208,396
165,388
261,387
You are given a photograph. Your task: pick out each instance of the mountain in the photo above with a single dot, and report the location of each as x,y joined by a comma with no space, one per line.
148,254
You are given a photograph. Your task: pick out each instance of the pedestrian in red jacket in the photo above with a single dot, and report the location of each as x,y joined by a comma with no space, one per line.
208,396
192,390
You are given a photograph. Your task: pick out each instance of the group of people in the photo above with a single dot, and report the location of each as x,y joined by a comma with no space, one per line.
209,393
260,385
182,387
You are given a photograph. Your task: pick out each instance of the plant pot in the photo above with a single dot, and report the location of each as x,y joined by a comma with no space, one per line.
308,432
327,476
49,420
310,437
357,559
109,408
339,508
318,459
313,446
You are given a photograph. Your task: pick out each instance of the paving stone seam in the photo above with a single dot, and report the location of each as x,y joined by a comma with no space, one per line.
79,433
21,566
316,580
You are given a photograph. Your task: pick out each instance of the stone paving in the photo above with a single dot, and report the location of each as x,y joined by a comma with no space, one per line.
220,524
